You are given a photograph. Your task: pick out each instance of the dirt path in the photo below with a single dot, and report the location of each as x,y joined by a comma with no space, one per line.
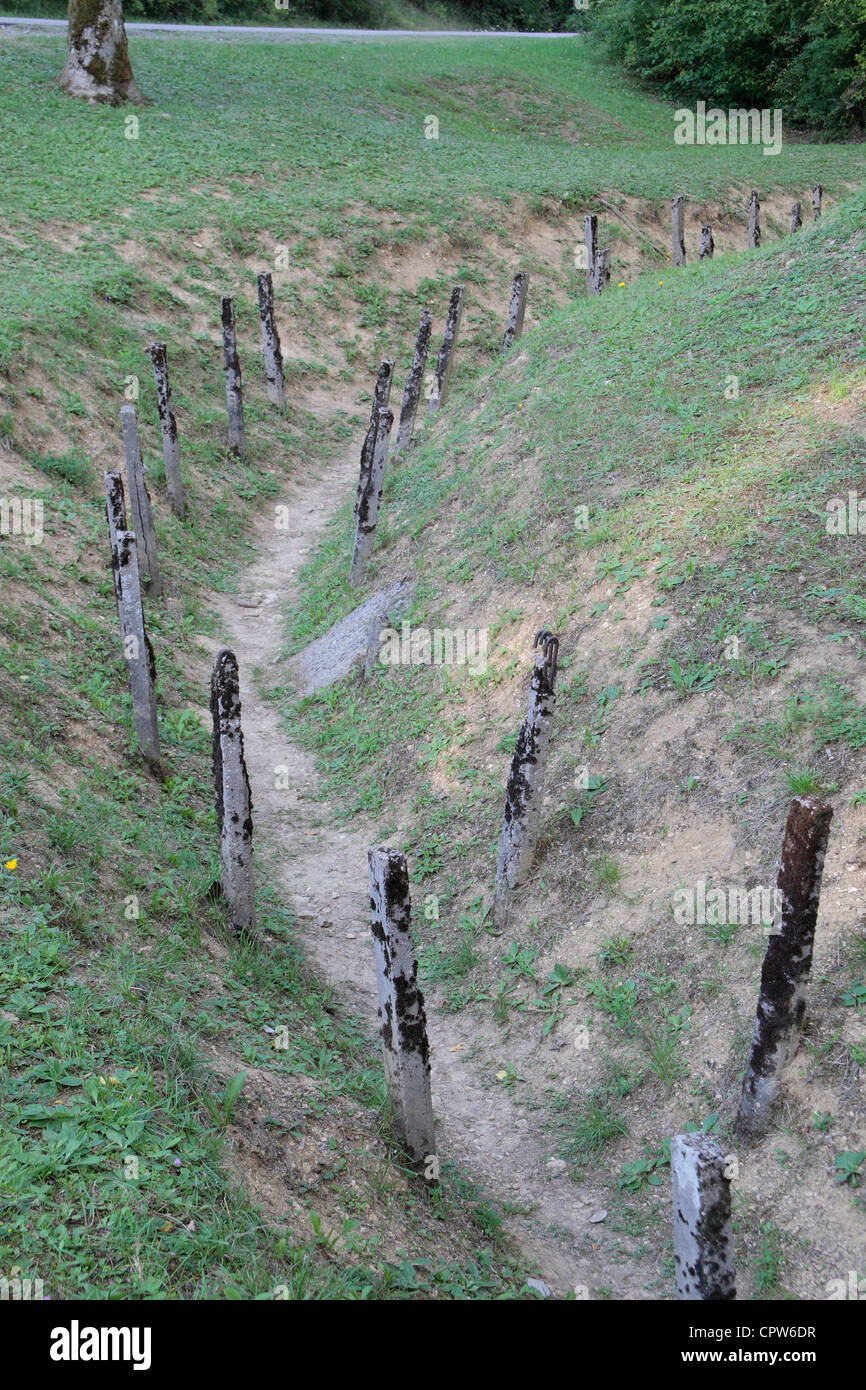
323,870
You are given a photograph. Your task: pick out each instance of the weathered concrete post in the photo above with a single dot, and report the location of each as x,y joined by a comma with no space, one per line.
796,219
703,1242
708,246
817,197
234,379
414,382
234,804
445,360
516,310
271,343
138,652
168,425
788,960
369,497
115,507
601,272
382,389
678,230
525,790
590,237
139,500
754,221
402,1016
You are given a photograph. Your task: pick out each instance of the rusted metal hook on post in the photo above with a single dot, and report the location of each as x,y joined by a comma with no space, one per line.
550,643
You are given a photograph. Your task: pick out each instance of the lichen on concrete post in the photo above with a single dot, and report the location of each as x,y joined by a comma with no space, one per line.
271,350
817,200
678,230
115,507
414,382
703,1241
402,1016
234,804
754,236
796,218
381,396
234,378
382,389
708,246
168,425
788,960
369,497
137,652
139,500
445,360
601,272
525,790
590,239
516,310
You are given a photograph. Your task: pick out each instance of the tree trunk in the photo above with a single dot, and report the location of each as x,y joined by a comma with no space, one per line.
97,64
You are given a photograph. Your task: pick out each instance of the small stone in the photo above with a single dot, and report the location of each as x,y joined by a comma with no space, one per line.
557,1166
539,1286
598,1216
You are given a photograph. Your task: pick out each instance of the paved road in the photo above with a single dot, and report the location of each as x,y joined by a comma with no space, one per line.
275,31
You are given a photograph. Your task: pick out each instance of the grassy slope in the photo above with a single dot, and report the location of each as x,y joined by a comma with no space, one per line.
706,521
107,243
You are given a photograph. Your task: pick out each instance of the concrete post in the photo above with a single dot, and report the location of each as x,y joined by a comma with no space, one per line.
590,237
525,791
115,508
402,1016
788,960
369,496
138,652
601,273
232,795
414,382
445,360
271,352
168,425
678,230
516,310
703,1242
139,500
708,246
754,222
234,379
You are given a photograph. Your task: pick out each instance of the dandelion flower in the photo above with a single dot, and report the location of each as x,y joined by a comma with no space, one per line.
11,864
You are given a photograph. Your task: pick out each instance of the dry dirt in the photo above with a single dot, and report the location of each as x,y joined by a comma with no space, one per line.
323,870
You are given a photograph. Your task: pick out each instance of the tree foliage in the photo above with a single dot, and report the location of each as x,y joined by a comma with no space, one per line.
806,56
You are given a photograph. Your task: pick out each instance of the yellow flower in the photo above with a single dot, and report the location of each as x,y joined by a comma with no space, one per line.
621,285
11,864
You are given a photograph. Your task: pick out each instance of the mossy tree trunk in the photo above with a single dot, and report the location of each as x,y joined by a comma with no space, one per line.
97,64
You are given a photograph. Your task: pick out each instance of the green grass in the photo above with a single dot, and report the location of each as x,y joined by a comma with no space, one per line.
307,157
126,1036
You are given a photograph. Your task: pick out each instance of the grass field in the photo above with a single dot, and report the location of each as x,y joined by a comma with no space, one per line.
123,1036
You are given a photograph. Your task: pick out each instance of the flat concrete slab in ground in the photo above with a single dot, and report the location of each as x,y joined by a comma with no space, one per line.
331,657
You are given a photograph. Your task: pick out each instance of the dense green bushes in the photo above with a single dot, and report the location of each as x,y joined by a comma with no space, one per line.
806,56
